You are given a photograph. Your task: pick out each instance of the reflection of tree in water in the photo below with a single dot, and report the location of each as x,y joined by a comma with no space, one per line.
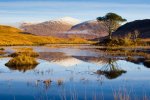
111,70
22,68
138,61
147,63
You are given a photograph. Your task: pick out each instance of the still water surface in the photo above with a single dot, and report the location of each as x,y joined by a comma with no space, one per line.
77,73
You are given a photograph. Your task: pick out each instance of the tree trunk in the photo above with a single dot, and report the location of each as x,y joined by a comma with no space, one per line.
110,37
110,34
110,30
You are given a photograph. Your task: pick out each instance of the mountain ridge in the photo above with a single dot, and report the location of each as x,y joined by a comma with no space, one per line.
143,26
67,27
50,28
91,29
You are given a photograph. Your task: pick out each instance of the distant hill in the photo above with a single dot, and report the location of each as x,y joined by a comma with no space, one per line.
143,26
89,29
67,27
13,36
7,29
50,28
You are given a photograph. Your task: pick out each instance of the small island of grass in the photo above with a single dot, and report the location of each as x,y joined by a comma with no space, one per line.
24,51
2,51
22,60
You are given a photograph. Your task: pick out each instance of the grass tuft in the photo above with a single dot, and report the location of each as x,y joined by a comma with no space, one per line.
2,49
22,60
24,51
60,82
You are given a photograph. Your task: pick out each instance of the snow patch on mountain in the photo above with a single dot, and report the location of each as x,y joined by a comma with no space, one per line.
68,20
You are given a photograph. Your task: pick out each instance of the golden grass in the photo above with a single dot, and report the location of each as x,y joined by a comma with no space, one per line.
145,40
31,54
24,51
22,60
23,57
10,36
2,51
125,51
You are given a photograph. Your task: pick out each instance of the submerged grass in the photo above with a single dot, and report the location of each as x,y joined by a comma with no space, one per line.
60,82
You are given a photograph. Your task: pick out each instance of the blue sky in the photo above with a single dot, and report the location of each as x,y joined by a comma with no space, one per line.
12,11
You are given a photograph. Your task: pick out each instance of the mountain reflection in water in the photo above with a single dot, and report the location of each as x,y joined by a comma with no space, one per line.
73,73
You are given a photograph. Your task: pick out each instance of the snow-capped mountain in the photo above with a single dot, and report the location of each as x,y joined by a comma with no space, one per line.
66,27
69,20
68,62
51,27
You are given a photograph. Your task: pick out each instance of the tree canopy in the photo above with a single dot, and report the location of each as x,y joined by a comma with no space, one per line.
112,21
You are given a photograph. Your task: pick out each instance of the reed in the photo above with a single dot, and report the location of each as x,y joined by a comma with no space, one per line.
59,81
